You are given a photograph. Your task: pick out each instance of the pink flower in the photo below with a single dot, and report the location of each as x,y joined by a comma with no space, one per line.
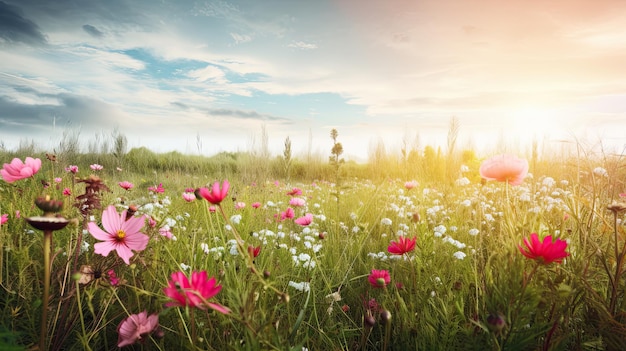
17,170
410,185
379,278
544,252
194,293
158,189
96,167
58,180
402,246
304,221
504,168
152,222
67,191
215,195
239,205
295,192
189,196
113,279
136,328
126,185
72,169
18,214
297,202
256,205
4,218
212,209
121,235
166,232
288,214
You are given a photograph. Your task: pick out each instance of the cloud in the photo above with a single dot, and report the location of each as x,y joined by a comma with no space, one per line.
240,38
15,28
93,31
302,45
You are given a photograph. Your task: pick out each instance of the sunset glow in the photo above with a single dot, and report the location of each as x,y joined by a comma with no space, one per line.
209,76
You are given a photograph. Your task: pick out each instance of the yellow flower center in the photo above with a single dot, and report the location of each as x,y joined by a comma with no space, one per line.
120,234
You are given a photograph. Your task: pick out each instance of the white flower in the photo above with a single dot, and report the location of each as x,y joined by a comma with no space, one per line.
235,218
599,171
473,232
440,229
184,267
466,203
386,221
462,181
549,182
205,248
301,286
170,222
459,255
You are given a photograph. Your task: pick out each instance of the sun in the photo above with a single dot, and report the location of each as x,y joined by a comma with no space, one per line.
535,123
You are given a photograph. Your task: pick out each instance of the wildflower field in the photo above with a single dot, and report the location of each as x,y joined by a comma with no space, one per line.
492,252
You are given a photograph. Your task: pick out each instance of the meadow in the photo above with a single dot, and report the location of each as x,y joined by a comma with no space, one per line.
241,252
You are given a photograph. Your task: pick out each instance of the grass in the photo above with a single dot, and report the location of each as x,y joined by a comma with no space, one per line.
308,287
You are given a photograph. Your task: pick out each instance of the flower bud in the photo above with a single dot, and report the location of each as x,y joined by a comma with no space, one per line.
496,322
385,317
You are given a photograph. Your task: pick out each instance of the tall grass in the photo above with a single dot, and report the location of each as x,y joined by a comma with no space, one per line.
308,287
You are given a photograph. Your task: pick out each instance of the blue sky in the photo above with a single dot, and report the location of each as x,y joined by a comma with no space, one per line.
167,73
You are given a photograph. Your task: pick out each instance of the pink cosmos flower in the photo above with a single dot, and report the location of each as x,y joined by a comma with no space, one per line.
4,218
402,246
67,192
215,195
189,196
239,205
295,192
136,328
544,252
113,279
505,168
410,185
96,167
58,180
157,189
297,202
126,185
379,278
288,214
256,205
304,221
72,169
16,170
194,293
121,235
166,232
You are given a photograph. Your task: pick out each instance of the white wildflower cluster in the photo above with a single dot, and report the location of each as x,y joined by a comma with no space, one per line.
386,221
600,172
462,181
454,242
439,230
459,255
473,232
301,286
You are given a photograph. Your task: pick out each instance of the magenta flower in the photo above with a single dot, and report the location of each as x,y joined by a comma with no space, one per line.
194,293
305,220
157,189
256,205
254,251
215,195
16,170
4,218
67,191
402,246
136,328
121,235
288,214
504,168
544,252
294,192
189,196
72,169
126,185
96,167
379,278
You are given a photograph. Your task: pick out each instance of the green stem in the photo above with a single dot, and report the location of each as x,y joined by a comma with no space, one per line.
47,241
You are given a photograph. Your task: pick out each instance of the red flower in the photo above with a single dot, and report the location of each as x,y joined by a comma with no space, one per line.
194,293
402,246
504,168
544,252
379,278
254,251
294,192
215,195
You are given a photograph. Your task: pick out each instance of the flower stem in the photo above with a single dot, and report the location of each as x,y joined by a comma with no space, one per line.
47,241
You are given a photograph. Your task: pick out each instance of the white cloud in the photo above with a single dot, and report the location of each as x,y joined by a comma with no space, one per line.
302,45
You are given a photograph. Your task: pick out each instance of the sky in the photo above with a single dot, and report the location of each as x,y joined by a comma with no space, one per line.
203,77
